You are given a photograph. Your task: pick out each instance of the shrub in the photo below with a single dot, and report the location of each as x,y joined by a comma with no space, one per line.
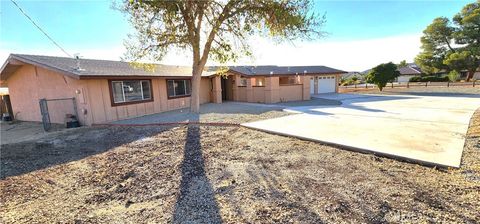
382,74
429,79
350,81
453,76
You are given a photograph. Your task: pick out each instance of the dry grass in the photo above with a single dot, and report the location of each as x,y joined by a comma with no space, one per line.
231,175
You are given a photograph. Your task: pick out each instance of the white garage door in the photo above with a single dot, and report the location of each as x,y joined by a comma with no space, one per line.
326,84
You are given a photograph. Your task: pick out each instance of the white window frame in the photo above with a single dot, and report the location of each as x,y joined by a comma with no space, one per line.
123,91
175,90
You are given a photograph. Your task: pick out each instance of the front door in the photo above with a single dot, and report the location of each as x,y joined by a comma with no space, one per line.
224,88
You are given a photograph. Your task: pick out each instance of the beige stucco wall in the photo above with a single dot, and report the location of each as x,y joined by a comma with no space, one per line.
29,84
242,94
258,95
271,92
291,92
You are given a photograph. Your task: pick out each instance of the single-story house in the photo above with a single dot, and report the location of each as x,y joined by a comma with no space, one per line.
106,91
406,72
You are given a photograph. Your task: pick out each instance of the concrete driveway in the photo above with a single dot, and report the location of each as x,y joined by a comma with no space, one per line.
426,129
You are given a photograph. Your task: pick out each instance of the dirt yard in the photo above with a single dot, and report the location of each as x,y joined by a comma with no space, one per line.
431,90
17,131
225,174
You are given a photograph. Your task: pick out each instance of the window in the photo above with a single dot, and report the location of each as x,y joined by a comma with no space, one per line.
243,81
289,80
258,81
178,88
126,91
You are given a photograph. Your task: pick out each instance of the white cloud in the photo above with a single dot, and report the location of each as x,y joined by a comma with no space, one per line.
355,55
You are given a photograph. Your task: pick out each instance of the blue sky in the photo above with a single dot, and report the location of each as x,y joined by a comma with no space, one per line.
353,20
389,29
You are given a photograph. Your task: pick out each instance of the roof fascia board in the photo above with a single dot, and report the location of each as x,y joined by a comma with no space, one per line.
287,74
134,77
39,64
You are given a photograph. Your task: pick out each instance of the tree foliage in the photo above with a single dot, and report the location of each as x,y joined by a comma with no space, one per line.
452,45
453,75
403,64
383,74
214,29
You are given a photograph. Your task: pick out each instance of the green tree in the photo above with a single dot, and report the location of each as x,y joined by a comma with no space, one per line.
467,36
214,29
452,46
402,64
436,44
354,79
382,74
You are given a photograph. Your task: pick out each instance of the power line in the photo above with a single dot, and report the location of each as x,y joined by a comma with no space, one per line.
39,28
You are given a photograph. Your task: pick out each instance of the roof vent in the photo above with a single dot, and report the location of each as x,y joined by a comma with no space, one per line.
77,60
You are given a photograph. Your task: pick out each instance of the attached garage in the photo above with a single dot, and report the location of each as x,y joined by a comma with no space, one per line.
326,84
323,84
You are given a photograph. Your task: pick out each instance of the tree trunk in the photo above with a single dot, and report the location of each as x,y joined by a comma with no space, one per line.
195,95
380,88
470,74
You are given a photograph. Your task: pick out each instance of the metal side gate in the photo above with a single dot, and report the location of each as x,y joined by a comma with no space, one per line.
47,124
45,116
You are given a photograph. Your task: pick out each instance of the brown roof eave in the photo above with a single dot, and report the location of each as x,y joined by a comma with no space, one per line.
83,77
35,63
291,74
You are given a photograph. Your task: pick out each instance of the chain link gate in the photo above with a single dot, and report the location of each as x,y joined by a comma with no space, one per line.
47,124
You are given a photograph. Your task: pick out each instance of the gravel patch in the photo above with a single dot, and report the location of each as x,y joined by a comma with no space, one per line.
227,112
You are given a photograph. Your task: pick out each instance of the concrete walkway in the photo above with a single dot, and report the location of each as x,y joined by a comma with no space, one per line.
427,129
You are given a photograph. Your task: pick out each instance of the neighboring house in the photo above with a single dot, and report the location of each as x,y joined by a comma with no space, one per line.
107,91
476,76
464,74
406,72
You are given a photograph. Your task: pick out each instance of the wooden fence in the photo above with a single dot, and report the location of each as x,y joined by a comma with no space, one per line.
414,84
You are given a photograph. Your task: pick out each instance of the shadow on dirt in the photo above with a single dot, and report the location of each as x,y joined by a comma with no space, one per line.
196,202
27,156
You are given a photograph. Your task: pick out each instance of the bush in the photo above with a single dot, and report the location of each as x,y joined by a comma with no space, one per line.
349,81
382,74
429,79
453,76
